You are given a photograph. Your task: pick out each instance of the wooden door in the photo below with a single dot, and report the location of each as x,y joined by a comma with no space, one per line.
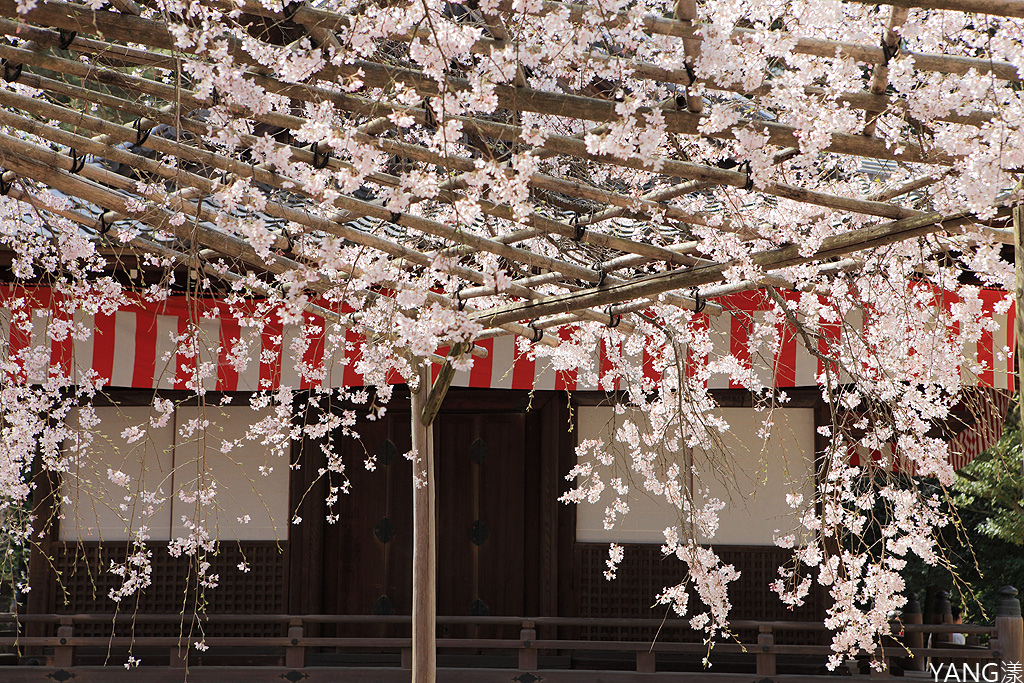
498,472
479,464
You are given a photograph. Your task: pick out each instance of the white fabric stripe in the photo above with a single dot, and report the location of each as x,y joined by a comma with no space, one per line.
587,379
124,348
40,346
249,378
1002,375
854,324
762,360
209,350
335,354
720,329
634,359
81,361
461,378
504,354
970,352
543,375
289,362
166,351
806,371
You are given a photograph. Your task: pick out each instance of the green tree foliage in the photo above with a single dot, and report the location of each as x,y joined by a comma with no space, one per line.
985,550
993,485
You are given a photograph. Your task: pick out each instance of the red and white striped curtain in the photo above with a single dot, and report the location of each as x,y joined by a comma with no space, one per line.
158,345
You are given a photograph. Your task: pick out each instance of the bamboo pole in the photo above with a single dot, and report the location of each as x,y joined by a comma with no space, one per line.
556,143
880,73
424,539
517,99
1003,8
49,167
651,285
686,10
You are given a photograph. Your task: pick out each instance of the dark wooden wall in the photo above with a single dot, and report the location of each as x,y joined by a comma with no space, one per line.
500,457
506,545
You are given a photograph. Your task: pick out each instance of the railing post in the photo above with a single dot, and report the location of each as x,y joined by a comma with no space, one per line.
646,662
944,610
63,653
912,616
765,654
528,653
295,654
1009,630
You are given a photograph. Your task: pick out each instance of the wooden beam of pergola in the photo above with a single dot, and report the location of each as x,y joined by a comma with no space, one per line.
784,257
518,99
560,144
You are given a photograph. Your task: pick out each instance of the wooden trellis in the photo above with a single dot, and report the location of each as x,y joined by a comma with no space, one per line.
90,89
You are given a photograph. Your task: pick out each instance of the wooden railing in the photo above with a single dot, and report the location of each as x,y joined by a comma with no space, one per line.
294,647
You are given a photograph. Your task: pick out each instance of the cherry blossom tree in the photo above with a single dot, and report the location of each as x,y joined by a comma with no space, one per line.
579,176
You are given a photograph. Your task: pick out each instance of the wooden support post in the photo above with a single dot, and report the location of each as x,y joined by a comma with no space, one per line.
432,402
528,653
406,657
912,616
646,662
944,615
295,654
1009,630
63,653
765,655
424,535
1018,297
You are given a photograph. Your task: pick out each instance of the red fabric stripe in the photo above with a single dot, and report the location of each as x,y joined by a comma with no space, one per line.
435,369
1011,343
829,338
985,344
480,373
62,352
19,341
271,340
523,370
785,361
738,342
230,333
144,367
351,378
605,365
103,346
649,358
700,325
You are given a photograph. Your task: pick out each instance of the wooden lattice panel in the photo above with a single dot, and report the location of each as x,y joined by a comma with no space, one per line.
86,580
644,572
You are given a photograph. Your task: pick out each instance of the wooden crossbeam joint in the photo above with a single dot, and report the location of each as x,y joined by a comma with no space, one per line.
440,387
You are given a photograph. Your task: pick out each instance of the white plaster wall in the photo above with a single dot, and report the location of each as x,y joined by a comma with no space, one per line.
91,502
242,487
751,475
